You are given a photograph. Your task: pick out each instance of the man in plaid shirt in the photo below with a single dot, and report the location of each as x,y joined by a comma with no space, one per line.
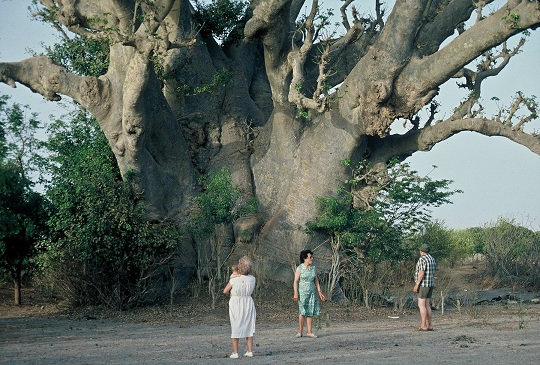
424,278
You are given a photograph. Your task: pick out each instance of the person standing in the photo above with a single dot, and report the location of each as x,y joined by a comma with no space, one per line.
306,287
424,278
242,313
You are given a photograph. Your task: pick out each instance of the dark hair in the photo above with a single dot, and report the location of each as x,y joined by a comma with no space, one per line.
425,248
303,255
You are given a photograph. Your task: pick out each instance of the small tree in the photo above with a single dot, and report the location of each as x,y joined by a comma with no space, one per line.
367,235
464,244
21,224
442,242
21,208
512,252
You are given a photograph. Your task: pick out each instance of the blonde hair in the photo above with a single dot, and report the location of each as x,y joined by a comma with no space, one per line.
245,265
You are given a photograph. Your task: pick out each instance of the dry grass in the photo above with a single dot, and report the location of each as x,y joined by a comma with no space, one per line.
275,305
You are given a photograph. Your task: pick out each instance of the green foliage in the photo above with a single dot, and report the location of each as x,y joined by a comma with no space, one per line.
512,252
3,141
21,208
528,102
364,233
220,78
513,18
401,205
467,242
101,22
364,238
218,203
442,242
223,19
478,238
159,67
18,128
83,56
218,197
102,249
21,220
403,198
47,15
302,114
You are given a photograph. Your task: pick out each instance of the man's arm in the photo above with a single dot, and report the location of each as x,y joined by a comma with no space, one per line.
421,274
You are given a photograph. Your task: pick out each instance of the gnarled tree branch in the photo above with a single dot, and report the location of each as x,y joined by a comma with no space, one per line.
271,22
297,59
50,80
445,17
424,139
484,35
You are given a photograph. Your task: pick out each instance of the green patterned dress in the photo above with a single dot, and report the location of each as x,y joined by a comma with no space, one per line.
308,302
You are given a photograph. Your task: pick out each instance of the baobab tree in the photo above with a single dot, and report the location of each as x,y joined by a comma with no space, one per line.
280,99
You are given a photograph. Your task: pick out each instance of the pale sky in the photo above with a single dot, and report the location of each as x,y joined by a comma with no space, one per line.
499,178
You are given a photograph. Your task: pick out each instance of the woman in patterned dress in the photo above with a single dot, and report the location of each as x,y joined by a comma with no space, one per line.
306,286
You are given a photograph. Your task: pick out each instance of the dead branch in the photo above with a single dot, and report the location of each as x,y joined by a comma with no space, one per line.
344,18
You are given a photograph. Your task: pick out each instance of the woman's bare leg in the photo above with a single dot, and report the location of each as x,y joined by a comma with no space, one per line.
300,323
234,345
309,321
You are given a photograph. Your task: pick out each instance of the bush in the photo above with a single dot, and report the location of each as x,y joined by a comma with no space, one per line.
101,248
512,252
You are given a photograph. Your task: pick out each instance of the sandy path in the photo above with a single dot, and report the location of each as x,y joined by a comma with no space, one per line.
492,336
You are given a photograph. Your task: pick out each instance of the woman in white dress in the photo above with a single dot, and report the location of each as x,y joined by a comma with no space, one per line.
241,306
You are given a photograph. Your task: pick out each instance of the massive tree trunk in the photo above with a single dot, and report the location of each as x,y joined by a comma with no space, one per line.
265,110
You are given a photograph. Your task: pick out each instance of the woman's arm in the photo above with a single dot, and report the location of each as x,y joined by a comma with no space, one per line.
227,288
318,285
295,283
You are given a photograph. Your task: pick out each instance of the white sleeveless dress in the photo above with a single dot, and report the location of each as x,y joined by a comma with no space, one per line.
241,307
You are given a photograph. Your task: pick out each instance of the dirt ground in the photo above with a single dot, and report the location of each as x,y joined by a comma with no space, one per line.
493,332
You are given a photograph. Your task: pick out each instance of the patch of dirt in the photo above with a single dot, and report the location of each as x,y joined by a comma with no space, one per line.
48,332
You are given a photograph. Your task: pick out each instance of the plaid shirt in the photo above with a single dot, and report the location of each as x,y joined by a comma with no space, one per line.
427,264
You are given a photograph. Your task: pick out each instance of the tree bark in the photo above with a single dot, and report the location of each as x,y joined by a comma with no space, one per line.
17,285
